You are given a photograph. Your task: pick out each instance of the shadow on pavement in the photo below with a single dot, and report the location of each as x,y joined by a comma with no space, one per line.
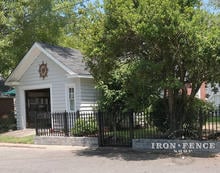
131,155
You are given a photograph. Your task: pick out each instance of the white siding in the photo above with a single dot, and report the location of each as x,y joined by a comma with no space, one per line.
73,83
89,95
56,79
58,83
20,124
213,97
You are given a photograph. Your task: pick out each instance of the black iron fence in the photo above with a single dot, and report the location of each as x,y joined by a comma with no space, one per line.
118,128
204,126
66,124
121,128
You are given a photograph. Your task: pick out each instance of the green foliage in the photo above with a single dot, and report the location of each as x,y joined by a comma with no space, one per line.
113,90
215,3
189,114
85,127
134,49
24,22
140,91
7,122
127,88
164,45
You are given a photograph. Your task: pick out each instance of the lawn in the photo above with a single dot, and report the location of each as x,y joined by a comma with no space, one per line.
213,119
137,133
18,140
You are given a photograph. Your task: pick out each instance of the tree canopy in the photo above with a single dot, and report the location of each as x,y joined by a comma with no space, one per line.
24,22
144,47
137,50
216,3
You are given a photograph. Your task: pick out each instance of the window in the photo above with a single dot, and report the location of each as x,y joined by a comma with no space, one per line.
71,99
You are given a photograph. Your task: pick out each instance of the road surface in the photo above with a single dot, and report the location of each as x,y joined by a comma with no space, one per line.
51,159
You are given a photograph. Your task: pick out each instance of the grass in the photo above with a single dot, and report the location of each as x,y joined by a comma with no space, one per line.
138,133
17,140
213,119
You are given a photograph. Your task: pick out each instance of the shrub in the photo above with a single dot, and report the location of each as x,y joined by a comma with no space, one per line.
188,114
85,127
7,122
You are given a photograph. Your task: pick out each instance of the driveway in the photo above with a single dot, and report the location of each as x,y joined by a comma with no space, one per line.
20,133
59,159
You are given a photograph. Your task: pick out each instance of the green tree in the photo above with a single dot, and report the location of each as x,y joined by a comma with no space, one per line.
165,45
24,22
4,39
216,3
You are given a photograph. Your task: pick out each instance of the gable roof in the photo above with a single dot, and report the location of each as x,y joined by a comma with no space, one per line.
70,60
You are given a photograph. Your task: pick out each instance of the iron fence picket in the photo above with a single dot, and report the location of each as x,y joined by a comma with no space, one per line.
216,123
115,129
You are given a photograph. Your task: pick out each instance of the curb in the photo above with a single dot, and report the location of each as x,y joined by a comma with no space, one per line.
50,147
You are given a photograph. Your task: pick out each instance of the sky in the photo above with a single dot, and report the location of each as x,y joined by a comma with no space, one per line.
210,9
205,4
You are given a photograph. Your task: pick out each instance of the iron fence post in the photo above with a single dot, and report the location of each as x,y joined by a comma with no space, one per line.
200,123
36,125
77,114
131,124
65,124
100,123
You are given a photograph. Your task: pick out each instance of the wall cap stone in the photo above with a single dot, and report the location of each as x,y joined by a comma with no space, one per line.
69,141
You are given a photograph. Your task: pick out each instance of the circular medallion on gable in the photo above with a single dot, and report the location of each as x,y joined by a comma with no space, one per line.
43,70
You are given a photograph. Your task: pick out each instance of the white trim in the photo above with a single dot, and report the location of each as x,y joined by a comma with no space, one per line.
22,90
12,83
80,94
33,87
22,116
199,93
67,86
80,76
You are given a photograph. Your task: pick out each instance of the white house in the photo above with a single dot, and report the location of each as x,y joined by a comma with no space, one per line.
213,97
51,78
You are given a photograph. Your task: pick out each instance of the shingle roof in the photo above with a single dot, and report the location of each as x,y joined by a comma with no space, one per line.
71,58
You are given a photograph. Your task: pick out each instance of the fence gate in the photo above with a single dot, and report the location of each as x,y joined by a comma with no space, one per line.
115,129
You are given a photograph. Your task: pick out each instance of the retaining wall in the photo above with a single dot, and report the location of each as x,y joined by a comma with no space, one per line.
72,141
176,146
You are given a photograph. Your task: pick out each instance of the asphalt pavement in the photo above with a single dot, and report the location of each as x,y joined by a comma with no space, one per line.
21,158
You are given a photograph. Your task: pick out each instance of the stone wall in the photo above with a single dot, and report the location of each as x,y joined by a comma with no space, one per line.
176,146
60,140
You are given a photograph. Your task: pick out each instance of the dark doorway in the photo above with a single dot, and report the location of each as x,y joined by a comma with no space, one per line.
36,101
